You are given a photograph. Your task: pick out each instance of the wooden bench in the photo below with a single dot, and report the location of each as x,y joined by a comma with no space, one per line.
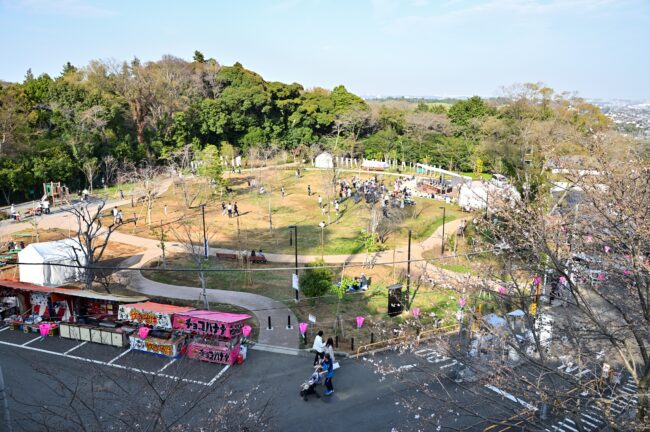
227,256
257,259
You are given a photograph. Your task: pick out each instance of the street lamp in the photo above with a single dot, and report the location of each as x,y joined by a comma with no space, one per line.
205,237
442,245
408,274
322,228
295,242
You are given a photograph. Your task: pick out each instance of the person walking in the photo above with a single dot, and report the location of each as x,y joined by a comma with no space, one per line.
229,210
320,201
115,212
329,348
121,194
46,206
165,209
336,207
328,368
236,209
282,191
308,190
319,347
223,208
120,217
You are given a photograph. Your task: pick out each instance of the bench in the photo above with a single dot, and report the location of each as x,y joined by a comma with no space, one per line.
227,256
257,259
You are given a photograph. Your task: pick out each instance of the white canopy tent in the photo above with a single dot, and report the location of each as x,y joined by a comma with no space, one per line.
324,160
37,263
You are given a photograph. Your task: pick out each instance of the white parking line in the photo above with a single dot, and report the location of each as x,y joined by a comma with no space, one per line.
33,340
75,347
218,375
119,356
98,362
511,397
4,328
167,365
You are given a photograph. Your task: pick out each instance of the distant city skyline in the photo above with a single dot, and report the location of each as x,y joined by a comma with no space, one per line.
415,48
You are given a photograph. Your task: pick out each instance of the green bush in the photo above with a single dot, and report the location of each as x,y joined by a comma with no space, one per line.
315,282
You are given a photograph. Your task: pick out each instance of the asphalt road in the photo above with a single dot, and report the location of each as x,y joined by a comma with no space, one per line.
118,389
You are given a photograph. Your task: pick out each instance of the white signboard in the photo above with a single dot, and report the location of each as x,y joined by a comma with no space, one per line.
294,281
312,318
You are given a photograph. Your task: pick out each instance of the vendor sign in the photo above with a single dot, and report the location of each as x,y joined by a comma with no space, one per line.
220,324
213,353
155,315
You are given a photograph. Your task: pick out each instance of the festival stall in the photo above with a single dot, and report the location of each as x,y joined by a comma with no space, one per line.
215,336
74,313
155,332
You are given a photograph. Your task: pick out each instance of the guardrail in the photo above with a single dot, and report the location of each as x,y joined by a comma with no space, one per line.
393,341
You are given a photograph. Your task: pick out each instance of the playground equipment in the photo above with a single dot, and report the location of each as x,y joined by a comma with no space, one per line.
56,193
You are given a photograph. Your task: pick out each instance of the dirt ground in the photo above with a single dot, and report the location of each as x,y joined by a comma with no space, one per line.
264,218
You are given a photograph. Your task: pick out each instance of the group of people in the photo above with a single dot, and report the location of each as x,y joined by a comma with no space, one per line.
230,209
324,362
13,246
359,283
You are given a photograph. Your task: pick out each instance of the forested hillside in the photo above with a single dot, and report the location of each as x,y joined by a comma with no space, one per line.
133,111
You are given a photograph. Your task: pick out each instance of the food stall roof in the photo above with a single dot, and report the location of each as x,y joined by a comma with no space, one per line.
217,316
74,292
158,307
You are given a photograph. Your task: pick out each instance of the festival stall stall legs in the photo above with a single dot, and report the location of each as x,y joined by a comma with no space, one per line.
215,336
155,333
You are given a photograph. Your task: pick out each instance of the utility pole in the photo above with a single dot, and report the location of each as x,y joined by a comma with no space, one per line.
322,228
205,237
442,245
295,243
408,274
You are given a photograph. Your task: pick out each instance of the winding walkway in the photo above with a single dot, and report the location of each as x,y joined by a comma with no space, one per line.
262,307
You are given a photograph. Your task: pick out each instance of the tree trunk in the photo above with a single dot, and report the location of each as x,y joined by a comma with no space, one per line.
643,405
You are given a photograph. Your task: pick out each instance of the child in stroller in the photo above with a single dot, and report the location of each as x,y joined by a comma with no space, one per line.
309,386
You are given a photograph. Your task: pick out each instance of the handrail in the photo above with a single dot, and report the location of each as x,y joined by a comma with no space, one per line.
420,336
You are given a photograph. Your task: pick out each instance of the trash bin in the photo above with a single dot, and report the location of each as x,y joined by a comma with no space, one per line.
395,300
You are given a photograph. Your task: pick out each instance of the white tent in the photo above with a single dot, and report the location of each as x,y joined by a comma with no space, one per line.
374,164
39,257
324,160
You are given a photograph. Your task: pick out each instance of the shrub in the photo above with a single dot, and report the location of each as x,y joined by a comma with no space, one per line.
315,282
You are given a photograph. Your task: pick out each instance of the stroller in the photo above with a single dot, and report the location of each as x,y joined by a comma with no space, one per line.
309,386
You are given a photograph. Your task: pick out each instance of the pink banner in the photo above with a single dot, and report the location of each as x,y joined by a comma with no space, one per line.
229,326
360,321
303,328
416,312
213,353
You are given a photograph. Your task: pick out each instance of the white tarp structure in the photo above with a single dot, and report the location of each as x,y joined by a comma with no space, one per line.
324,160
39,257
374,164
478,195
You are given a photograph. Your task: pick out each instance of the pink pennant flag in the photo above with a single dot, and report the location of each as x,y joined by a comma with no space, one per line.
606,249
246,330
143,332
601,276
537,280
303,328
562,280
502,290
461,302
416,312
588,239
44,329
627,272
360,321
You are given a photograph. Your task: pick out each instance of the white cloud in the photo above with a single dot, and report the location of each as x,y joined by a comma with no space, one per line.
62,7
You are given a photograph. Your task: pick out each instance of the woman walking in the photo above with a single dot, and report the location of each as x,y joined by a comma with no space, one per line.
329,348
319,347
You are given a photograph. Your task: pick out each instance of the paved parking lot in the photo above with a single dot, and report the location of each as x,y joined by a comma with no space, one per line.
201,373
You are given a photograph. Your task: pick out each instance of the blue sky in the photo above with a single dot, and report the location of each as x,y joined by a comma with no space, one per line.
598,48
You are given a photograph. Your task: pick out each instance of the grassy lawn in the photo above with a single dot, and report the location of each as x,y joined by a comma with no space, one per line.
371,304
474,176
255,228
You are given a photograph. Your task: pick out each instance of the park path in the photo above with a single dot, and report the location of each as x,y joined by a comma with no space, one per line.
262,307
